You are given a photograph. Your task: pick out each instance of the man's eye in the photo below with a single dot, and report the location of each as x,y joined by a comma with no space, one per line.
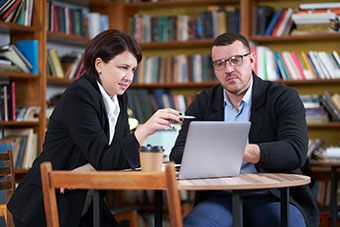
219,63
235,60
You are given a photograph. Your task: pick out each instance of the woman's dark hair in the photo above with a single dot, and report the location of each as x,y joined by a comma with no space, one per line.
229,38
107,45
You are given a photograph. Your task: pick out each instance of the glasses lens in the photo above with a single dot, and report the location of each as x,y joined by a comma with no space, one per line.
236,60
219,64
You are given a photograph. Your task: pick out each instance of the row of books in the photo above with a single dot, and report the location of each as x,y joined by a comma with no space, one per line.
9,111
144,104
181,68
75,21
67,66
7,100
24,145
22,57
322,192
274,65
209,24
322,108
17,11
304,20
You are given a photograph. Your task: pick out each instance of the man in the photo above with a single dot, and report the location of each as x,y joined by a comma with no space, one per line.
278,138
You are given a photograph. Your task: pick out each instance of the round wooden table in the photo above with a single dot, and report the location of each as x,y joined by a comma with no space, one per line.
246,182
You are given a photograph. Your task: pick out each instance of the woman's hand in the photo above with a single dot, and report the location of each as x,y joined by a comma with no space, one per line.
85,168
161,120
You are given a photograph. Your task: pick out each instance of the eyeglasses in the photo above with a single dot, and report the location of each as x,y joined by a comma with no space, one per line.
233,61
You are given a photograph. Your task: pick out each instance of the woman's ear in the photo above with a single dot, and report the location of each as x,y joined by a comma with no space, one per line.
98,63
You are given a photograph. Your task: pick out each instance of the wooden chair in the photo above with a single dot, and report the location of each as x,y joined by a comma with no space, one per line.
8,184
105,180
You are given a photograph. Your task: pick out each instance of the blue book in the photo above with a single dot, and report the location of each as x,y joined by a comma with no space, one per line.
29,48
272,23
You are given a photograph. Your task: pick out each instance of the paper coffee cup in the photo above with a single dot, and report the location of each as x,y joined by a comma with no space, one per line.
151,158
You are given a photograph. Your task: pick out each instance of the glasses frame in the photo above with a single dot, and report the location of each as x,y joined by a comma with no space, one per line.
224,61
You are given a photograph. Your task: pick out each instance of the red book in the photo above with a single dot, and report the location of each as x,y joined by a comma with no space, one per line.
13,100
253,50
9,10
279,22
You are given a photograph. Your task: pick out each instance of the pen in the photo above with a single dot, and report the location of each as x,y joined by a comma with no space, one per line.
187,117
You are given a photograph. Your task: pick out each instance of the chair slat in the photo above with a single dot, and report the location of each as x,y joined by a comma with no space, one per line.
5,170
5,185
4,157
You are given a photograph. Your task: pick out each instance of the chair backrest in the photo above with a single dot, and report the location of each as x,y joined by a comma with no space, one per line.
118,180
8,181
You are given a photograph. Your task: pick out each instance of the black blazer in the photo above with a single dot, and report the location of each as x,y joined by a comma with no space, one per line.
77,133
278,126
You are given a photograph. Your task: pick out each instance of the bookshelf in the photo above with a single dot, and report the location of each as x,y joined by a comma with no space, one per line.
31,88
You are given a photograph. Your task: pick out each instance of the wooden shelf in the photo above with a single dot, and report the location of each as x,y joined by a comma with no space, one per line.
176,85
294,38
308,82
20,123
67,39
16,28
59,81
177,3
177,44
325,125
18,75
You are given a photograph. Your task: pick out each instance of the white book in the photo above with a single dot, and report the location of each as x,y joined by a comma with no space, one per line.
13,54
334,65
336,57
197,68
181,103
260,50
313,18
285,21
317,65
270,63
325,5
323,64
94,24
67,20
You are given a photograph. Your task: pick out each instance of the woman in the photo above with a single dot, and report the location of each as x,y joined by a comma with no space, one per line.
89,130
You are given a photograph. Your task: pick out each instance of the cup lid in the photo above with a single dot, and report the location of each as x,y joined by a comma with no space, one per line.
150,148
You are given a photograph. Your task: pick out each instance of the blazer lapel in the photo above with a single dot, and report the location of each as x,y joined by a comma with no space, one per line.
257,110
217,110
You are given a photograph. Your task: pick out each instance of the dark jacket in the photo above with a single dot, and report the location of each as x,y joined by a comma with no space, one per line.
278,126
77,133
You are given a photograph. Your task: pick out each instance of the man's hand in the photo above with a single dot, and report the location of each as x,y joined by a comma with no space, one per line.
252,153
85,168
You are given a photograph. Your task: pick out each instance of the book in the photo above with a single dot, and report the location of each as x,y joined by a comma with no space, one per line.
320,5
286,23
327,102
308,65
56,63
30,152
12,8
272,23
263,16
279,22
29,49
336,101
12,53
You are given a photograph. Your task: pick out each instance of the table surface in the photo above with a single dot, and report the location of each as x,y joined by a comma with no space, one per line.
245,181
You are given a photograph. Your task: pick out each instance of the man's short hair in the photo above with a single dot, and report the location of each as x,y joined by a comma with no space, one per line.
229,38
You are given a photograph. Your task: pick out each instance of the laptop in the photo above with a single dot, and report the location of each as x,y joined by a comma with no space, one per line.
214,149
